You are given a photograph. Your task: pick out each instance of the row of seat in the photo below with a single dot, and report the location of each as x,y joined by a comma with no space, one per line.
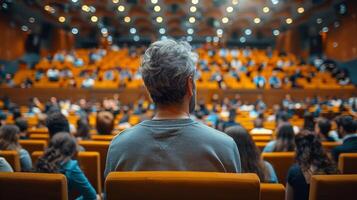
174,186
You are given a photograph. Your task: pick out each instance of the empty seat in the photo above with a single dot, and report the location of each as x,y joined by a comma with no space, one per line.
13,158
39,186
89,162
347,163
99,146
272,191
281,162
33,145
181,185
332,187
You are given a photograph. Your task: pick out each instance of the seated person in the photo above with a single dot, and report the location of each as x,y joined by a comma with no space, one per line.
323,129
259,81
250,157
59,158
105,123
53,74
5,166
347,127
22,124
284,141
88,82
171,141
9,141
109,75
259,128
274,81
311,159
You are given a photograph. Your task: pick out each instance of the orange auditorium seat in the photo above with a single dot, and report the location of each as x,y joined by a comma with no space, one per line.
281,162
332,187
33,145
40,136
102,137
270,191
39,186
13,158
182,185
89,163
347,163
328,146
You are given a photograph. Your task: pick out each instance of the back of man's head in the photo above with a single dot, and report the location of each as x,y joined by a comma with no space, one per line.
56,122
324,126
347,124
258,123
105,123
22,124
166,68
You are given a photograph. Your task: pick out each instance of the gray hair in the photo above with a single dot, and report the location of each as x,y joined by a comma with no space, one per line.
165,68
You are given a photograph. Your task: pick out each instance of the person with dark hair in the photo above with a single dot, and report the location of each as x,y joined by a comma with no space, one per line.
9,141
284,141
16,113
22,124
59,158
347,128
83,129
311,159
171,141
309,121
251,160
323,128
259,127
56,122
105,123
231,120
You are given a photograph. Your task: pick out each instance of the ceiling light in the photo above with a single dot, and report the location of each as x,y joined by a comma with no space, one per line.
192,20
225,20
157,8
163,37
248,31
94,18
325,29
208,39
24,28
257,20
47,8
162,31
115,1
300,10
85,8
219,31
234,2
74,1
92,9
276,32
266,9
127,19
121,8
154,1
190,31
195,1
229,9
215,39
193,9
104,31
31,20
136,38
159,19
74,31
189,38
132,30
319,20
61,19
289,20
274,2
242,39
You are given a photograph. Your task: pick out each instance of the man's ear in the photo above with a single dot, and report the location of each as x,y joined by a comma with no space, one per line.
190,86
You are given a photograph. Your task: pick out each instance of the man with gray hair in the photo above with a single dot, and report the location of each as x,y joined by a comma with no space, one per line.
172,141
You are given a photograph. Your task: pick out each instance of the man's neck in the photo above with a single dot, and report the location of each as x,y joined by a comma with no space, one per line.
171,112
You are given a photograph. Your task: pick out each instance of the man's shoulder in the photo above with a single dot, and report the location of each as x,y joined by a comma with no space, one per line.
209,132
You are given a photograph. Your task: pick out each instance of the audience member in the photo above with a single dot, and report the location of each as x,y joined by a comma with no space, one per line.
168,71
259,128
347,127
22,124
311,160
274,81
53,74
323,130
284,141
83,129
56,122
9,141
59,158
105,123
251,160
5,166
259,81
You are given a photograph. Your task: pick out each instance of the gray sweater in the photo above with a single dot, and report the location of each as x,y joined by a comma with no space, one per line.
172,145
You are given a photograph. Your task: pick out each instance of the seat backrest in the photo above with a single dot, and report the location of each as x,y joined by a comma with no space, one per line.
181,185
41,136
328,146
99,146
89,163
347,163
13,158
281,162
33,145
332,187
270,191
40,186
102,137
